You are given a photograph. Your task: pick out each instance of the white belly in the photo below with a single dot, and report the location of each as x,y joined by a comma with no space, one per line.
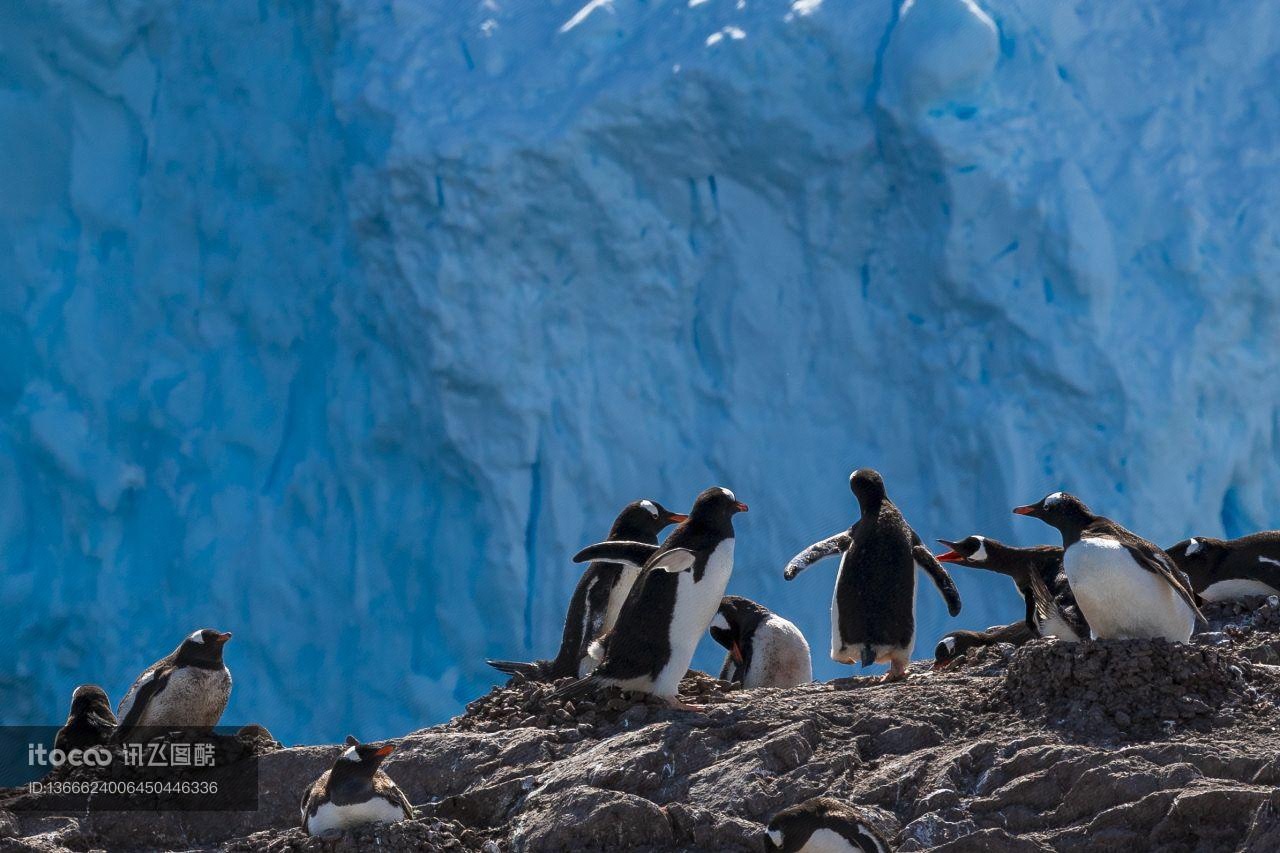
695,607
1236,588
1120,598
191,697
376,810
779,656
828,841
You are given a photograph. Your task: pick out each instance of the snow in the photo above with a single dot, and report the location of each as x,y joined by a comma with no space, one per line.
341,326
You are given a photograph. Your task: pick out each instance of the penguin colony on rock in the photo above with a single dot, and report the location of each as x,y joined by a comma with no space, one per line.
642,606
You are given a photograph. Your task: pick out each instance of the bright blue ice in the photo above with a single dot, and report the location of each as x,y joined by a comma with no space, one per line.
341,326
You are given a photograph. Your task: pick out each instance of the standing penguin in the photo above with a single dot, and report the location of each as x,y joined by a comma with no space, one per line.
187,687
873,608
671,604
90,722
956,643
598,597
353,792
823,825
1125,586
765,650
1221,569
1036,572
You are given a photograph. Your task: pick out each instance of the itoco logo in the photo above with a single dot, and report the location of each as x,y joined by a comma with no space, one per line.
38,755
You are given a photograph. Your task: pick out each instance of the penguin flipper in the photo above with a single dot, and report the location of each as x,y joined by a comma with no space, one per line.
574,689
828,547
145,692
516,667
924,559
1159,563
675,561
618,551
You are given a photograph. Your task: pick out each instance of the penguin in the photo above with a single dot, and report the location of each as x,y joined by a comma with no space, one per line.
598,597
188,687
765,650
1125,586
90,721
873,607
955,644
823,825
1036,572
1221,569
353,792
671,604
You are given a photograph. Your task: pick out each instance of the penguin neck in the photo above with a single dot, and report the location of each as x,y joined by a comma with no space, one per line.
624,531
190,654
1073,526
870,504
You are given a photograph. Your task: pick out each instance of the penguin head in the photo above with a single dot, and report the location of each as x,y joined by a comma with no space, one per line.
949,649
1198,557
88,697
204,645
1060,509
969,551
361,759
716,506
867,486
642,521
735,620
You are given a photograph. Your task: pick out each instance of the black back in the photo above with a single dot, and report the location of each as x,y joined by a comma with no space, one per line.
743,617
1207,561
640,642
875,590
639,521
1036,571
799,822
352,781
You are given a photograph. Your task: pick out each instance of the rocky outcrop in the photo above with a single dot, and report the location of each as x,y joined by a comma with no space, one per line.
1094,746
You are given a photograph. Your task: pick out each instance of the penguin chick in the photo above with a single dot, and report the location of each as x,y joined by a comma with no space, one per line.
598,597
1126,586
90,721
354,791
188,687
1221,569
765,650
823,825
954,645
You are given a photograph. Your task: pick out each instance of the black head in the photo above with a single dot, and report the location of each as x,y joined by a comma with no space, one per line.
203,646
715,507
867,486
1064,511
642,521
736,619
969,551
361,759
1198,557
89,697
949,649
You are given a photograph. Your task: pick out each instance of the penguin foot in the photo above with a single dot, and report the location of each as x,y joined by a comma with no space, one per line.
897,672
677,705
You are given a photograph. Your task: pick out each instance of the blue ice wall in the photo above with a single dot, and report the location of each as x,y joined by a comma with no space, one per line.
341,325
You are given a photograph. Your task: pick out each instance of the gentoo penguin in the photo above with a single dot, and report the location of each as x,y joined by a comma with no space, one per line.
188,687
353,792
670,606
90,722
1036,572
598,597
765,650
873,609
956,643
823,825
1125,586
1231,568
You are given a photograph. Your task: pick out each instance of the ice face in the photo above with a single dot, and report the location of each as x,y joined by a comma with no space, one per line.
344,329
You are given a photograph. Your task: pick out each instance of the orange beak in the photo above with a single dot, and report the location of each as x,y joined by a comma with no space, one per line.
1024,510
222,638
736,651
676,517
383,752
941,665
949,557
741,506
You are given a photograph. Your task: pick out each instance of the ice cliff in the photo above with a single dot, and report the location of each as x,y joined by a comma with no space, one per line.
340,325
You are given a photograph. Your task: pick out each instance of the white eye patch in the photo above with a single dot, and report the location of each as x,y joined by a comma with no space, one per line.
720,622
950,645
650,508
728,494
197,636
350,754
1195,546
981,554
775,835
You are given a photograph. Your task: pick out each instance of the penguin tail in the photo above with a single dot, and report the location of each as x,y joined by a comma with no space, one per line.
868,654
515,667
574,689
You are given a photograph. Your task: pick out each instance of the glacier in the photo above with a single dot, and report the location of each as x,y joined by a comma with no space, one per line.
340,325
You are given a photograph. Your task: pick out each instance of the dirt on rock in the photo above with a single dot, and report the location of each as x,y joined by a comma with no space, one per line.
1093,746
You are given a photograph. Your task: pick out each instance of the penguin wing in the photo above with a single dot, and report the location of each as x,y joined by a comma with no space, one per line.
675,561
828,547
143,691
1154,560
619,551
925,560
384,787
